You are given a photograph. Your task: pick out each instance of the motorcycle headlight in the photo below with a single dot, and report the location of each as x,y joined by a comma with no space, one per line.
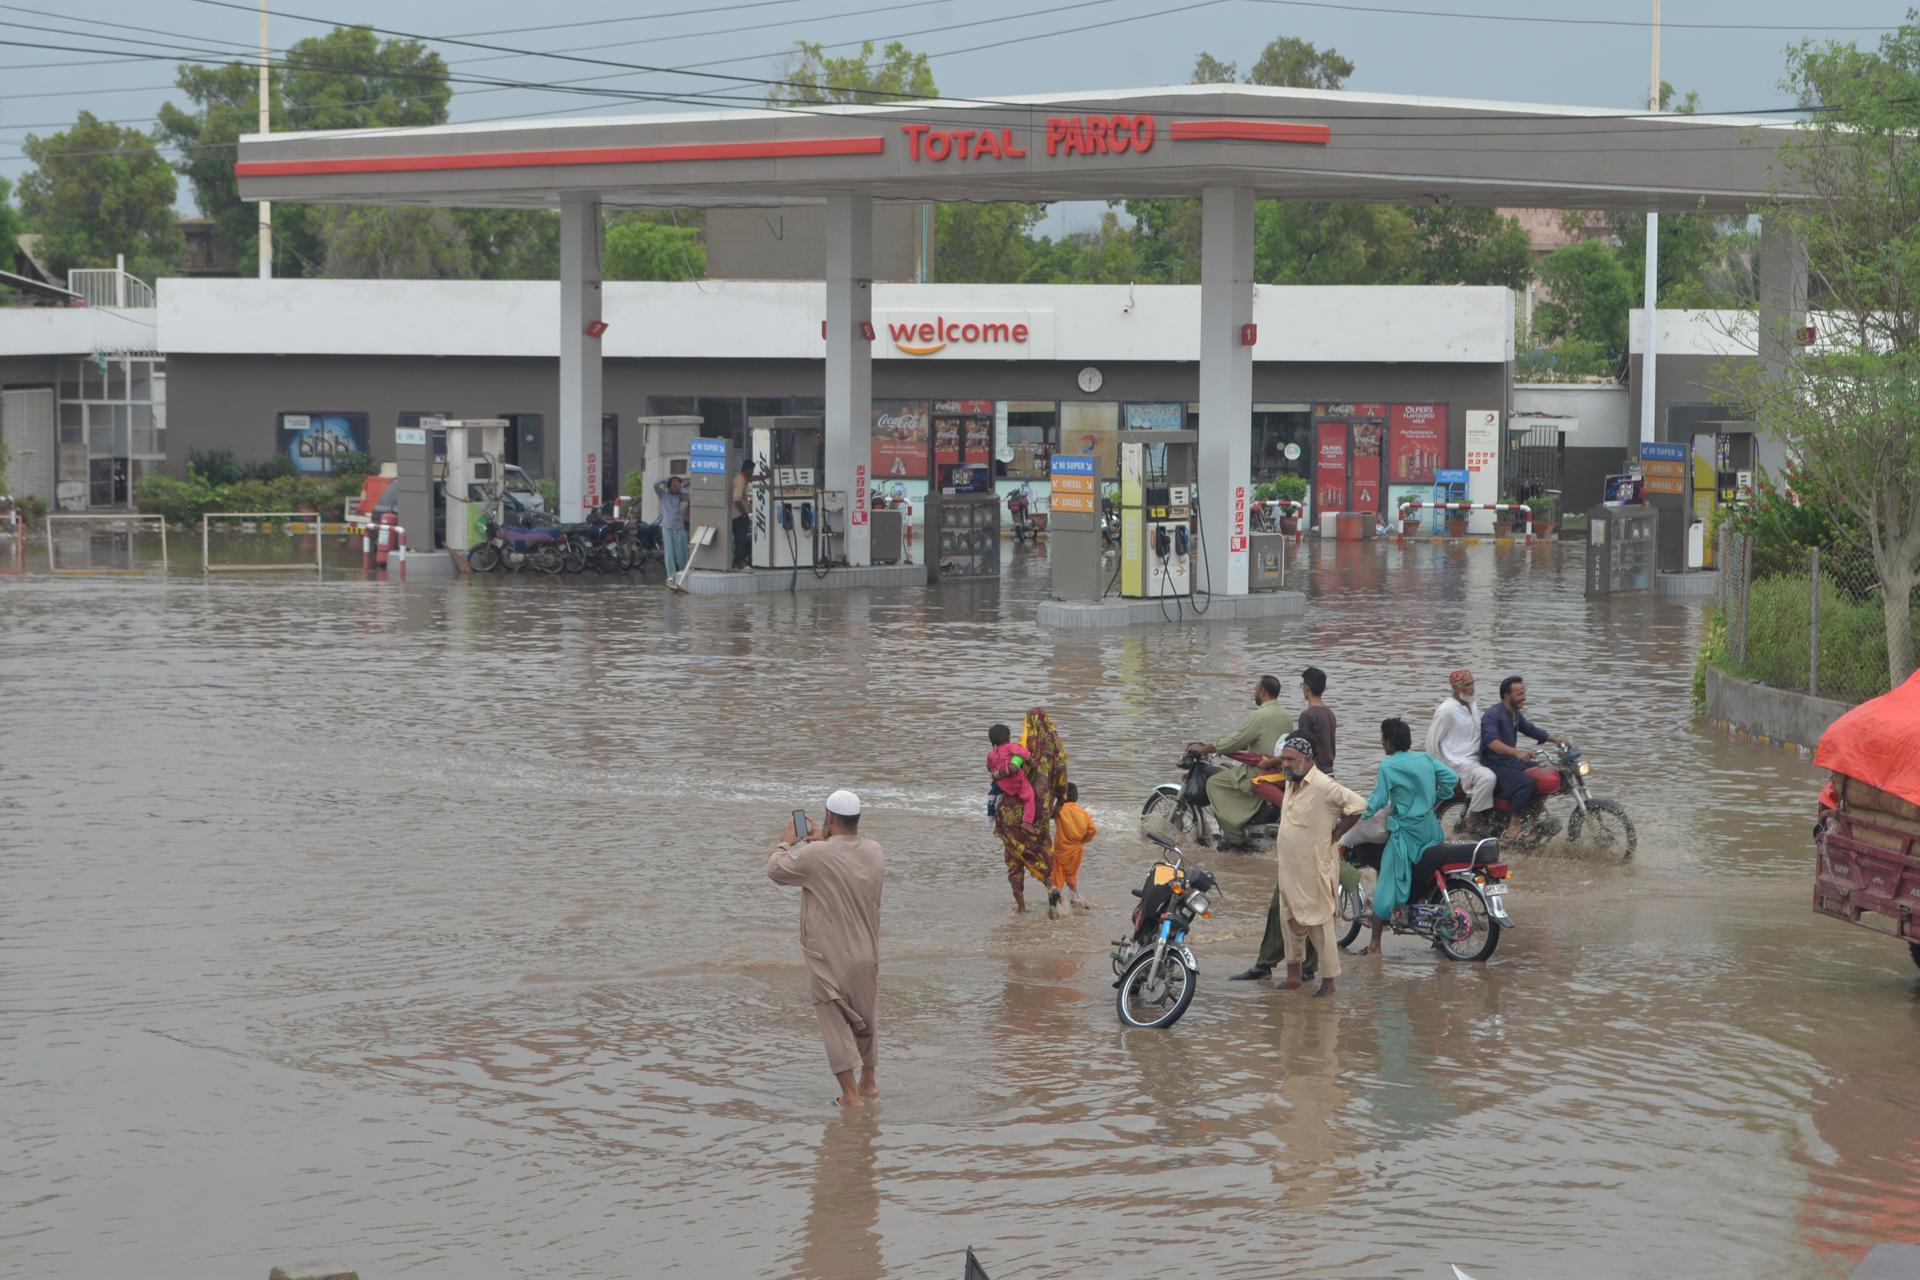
1198,903
1585,768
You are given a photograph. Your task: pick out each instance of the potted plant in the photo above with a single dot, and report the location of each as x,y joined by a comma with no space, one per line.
1290,489
1456,524
1546,510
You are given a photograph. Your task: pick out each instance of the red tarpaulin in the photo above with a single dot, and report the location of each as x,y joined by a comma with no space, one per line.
1878,742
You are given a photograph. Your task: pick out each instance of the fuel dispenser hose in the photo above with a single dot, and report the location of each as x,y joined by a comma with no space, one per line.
1200,546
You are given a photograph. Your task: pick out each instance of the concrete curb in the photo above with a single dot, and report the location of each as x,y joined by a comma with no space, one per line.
705,582
1772,717
1092,615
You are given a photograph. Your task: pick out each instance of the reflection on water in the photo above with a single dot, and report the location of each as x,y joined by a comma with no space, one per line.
424,926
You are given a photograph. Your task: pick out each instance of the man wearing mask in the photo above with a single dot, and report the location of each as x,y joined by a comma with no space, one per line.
1316,814
1453,738
840,874
1230,791
1500,730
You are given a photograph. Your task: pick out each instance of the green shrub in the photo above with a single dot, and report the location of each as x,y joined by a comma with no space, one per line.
634,483
181,502
1291,487
1713,652
549,493
1853,639
215,466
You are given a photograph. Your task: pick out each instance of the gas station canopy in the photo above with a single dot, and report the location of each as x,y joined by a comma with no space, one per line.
1297,144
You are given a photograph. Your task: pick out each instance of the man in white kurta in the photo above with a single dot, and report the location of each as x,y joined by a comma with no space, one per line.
1453,738
1306,846
840,874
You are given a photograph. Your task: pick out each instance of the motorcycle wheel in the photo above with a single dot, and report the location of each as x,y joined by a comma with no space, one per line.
626,555
1452,813
574,559
484,558
1181,817
1605,826
1178,983
1483,935
1351,907
546,558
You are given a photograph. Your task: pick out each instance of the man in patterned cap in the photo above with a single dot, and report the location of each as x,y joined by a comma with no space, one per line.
1453,738
1316,814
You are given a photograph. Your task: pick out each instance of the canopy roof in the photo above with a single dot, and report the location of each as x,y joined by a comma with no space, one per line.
1299,144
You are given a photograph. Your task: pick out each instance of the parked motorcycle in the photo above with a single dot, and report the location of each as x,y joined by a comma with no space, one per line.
518,547
1457,900
1020,513
1157,974
1596,824
1186,811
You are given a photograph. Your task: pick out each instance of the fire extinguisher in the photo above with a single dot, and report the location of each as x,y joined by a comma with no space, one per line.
387,539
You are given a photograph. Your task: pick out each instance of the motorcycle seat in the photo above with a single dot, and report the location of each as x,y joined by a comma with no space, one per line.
1546,782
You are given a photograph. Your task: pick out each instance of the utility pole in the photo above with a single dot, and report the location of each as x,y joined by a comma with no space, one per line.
1650,287
266,125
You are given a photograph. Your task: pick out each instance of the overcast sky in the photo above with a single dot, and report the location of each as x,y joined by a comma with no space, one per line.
1121,44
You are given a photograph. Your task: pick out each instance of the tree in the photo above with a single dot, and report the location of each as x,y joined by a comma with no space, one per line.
346,79
984,243
1326,243
98,190
1848,409
1469,246
1106,254
373,242
643,247
513,244
1294,63
9,225
813,77
1589,292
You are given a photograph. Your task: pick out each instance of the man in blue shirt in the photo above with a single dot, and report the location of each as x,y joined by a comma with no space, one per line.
1500,730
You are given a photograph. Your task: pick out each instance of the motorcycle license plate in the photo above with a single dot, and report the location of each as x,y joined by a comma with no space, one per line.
1495,890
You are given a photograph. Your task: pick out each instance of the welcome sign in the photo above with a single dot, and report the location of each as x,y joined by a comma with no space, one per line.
964,335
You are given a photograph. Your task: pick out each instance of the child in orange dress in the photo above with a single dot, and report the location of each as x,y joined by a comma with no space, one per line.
1072,828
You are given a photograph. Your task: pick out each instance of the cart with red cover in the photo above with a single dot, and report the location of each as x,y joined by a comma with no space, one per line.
1867,842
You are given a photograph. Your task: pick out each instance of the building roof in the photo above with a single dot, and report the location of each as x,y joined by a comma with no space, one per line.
1302,144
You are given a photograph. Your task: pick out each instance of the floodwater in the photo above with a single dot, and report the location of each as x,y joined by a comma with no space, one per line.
424,927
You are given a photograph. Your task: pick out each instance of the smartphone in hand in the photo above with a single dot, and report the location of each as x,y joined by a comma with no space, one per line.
802,825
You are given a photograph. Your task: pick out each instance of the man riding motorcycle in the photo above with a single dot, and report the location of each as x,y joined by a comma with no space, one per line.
1453,738
1500,729
1230,791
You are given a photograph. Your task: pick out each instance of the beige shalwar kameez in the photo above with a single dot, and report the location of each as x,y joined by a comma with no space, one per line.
840,879
1309,865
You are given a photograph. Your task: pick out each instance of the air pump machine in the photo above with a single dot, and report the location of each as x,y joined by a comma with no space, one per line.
789,461
1158,476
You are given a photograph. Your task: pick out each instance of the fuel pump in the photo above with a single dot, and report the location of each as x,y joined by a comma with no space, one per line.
1158,474
790,452
472,483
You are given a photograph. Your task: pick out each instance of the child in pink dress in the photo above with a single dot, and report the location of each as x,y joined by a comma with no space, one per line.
1007,762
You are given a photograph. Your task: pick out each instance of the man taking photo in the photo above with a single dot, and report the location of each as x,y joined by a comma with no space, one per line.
840,874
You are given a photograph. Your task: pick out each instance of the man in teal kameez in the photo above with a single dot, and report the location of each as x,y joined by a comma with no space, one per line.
1230,791
1413,782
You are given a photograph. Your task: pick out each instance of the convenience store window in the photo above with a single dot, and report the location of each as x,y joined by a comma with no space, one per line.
1033,432
1282,441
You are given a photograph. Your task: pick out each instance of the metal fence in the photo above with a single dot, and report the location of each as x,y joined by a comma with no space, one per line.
1808,619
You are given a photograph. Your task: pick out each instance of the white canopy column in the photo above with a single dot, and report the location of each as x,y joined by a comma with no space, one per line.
1226,385
580,387
849,424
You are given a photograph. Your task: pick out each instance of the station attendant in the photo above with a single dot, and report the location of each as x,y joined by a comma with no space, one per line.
673,522
742,520
840,874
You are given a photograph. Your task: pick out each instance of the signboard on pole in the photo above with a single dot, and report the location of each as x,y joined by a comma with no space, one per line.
1483,465
1075,487
1665,467
706,457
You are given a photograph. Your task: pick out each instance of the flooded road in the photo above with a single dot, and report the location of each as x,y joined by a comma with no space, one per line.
424,927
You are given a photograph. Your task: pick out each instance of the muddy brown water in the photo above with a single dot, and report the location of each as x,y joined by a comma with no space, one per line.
425,927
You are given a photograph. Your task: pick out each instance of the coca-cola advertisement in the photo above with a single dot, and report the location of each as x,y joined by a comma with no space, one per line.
1365,468
1417,443
899,440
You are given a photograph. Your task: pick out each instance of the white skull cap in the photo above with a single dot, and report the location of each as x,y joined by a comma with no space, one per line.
844,803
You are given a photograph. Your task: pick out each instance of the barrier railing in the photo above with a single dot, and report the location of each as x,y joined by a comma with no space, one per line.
1415,504
318,566
63,520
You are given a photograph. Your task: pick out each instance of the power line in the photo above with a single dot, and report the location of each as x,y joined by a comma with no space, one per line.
1567,22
